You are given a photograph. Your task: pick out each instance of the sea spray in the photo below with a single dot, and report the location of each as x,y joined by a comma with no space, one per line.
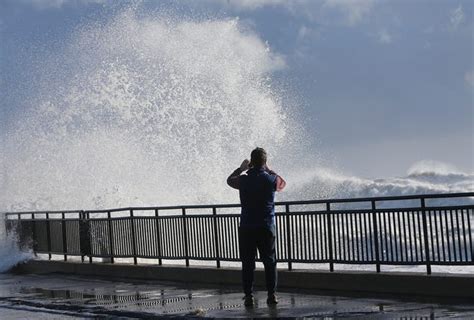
150,110
10,253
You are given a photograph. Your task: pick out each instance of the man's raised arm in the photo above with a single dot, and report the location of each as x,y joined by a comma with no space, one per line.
234,179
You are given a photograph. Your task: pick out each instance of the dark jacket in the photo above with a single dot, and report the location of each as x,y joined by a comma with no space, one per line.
257,195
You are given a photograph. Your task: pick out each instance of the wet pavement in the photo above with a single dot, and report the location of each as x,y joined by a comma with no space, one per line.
63,297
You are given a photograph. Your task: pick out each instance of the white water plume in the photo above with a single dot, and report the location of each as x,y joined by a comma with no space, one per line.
145,111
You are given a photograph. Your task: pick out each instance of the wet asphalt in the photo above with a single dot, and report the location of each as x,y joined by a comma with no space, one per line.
58,296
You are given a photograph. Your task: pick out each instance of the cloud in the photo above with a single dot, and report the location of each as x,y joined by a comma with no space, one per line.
384,37
45,3
354,11
469,78
303,32
253,4
429,30
456,17
306,33
56,4
305,36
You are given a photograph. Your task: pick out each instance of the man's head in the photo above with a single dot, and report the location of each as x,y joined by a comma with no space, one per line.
258,157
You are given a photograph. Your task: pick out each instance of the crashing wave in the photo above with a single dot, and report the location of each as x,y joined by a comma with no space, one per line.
326,183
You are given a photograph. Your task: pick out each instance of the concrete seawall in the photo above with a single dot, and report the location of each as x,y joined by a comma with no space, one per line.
439,285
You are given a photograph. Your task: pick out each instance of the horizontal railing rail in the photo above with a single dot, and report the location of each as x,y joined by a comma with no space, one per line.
336,231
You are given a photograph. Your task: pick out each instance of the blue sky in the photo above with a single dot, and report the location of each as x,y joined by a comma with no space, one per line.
381,84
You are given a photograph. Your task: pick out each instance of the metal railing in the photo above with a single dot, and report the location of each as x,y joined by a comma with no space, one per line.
428,230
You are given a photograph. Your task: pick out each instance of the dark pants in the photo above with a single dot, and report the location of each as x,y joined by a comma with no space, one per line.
263,239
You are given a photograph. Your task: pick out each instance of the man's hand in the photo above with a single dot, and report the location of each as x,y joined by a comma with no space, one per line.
245,165
234,179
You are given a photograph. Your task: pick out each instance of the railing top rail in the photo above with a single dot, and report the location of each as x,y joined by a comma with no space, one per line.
280,203
192,206
42,212
277,213
376,199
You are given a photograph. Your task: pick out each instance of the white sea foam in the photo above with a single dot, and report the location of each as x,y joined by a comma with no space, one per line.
155,109
10,253
327,183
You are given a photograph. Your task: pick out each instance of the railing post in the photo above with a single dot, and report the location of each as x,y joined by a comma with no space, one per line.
425,236
216,236
7,225
185,234
89,235
288,236
134,241
376,236
158,236
329,227
63,231
18,225
83,236
48,235
111,237
33,231
19,230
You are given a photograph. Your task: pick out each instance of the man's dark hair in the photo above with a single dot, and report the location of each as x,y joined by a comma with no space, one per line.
258,157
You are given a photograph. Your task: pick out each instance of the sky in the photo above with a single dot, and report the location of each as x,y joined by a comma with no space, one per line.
381,84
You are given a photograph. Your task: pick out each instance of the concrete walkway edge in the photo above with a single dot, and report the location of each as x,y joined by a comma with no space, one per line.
439,285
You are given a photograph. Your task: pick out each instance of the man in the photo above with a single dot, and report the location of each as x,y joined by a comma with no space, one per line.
257,222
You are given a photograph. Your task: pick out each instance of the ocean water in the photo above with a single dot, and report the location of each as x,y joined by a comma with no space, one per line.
157,109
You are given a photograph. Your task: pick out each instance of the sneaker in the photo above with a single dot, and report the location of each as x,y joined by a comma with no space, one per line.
272,299
248,300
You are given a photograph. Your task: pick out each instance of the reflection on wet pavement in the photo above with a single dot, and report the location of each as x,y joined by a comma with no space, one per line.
86,297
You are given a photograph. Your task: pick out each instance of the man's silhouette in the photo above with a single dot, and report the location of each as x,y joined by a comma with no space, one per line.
257,222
